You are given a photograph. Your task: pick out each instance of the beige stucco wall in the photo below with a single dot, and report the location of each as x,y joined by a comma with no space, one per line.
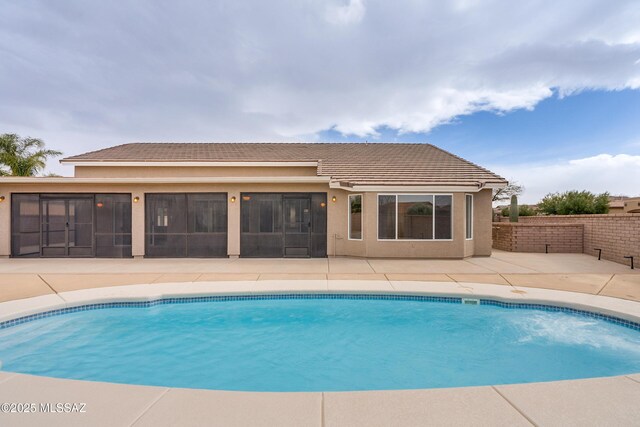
337,218
370,246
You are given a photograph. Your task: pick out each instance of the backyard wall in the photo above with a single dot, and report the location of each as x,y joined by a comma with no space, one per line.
520,237
618,235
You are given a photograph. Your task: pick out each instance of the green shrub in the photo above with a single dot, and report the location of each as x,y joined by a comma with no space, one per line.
523,210
526,210
574,203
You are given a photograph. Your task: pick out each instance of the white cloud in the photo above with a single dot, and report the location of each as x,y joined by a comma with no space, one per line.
618,174
350,13
79,73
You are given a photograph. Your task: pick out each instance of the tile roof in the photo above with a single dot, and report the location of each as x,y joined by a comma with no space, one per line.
350,163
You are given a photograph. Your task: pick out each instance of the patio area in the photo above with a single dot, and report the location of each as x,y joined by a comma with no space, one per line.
25,278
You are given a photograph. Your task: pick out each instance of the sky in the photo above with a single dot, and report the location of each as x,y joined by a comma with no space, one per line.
543,93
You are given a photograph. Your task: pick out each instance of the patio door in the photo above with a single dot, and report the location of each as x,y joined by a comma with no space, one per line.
276,225
297,226
66,228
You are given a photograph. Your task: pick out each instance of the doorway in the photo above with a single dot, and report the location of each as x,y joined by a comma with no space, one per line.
277,225
66,228
297,226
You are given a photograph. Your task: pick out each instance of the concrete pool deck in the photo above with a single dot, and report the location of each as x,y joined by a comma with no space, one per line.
579,280
25,278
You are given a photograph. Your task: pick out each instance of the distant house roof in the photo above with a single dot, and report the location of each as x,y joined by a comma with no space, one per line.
348,163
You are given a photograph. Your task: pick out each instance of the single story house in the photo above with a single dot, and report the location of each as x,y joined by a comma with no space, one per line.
253,200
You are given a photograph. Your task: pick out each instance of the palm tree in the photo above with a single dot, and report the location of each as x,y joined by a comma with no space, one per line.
23,156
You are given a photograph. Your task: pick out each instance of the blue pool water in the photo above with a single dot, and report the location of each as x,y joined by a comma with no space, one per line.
320,345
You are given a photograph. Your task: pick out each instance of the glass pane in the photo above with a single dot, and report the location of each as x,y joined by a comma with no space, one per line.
296,226
166,225
81,211
166,245
415,217
207,245
166,213
355,217
443,217
261,219
319,225
25,225
207,213
469,216
80,223
113,225
267,217
54,224
26,213
81,235
386,217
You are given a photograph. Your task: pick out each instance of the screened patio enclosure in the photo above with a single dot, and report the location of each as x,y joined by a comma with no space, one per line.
276,225
71,225
186,225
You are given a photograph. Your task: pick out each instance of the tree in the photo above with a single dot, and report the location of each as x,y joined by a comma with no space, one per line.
505,193
574,203
23,156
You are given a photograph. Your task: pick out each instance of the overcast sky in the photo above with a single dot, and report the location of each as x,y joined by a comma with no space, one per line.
520,88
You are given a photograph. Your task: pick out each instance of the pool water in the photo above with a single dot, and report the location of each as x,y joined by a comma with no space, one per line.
320,345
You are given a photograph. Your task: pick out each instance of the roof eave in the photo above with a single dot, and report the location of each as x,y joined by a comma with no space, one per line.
186,163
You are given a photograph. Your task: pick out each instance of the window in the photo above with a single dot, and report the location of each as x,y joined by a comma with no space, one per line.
355,217
414,217
442,218
386,217
469,216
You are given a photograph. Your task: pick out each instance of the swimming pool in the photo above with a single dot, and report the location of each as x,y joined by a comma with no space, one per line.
320,343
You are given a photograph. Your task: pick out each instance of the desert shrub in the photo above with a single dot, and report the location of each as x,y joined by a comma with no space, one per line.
574,203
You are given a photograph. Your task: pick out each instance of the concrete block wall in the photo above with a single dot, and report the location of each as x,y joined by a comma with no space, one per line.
519,237
618,235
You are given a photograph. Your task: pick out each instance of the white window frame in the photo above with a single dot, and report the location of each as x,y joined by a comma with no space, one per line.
470,224
349,217
434,217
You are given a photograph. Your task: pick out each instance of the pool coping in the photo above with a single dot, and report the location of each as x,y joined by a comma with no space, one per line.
509,396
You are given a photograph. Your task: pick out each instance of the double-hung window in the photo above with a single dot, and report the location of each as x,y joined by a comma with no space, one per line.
415,216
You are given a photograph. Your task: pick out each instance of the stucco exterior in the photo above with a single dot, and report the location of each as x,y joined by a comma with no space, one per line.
131,180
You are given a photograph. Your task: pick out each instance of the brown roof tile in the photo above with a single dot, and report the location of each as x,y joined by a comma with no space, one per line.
355,163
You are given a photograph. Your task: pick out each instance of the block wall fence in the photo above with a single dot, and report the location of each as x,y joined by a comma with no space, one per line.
618,235
518,237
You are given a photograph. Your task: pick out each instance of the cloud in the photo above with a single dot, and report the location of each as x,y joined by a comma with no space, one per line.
81,73
351,13
618,174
